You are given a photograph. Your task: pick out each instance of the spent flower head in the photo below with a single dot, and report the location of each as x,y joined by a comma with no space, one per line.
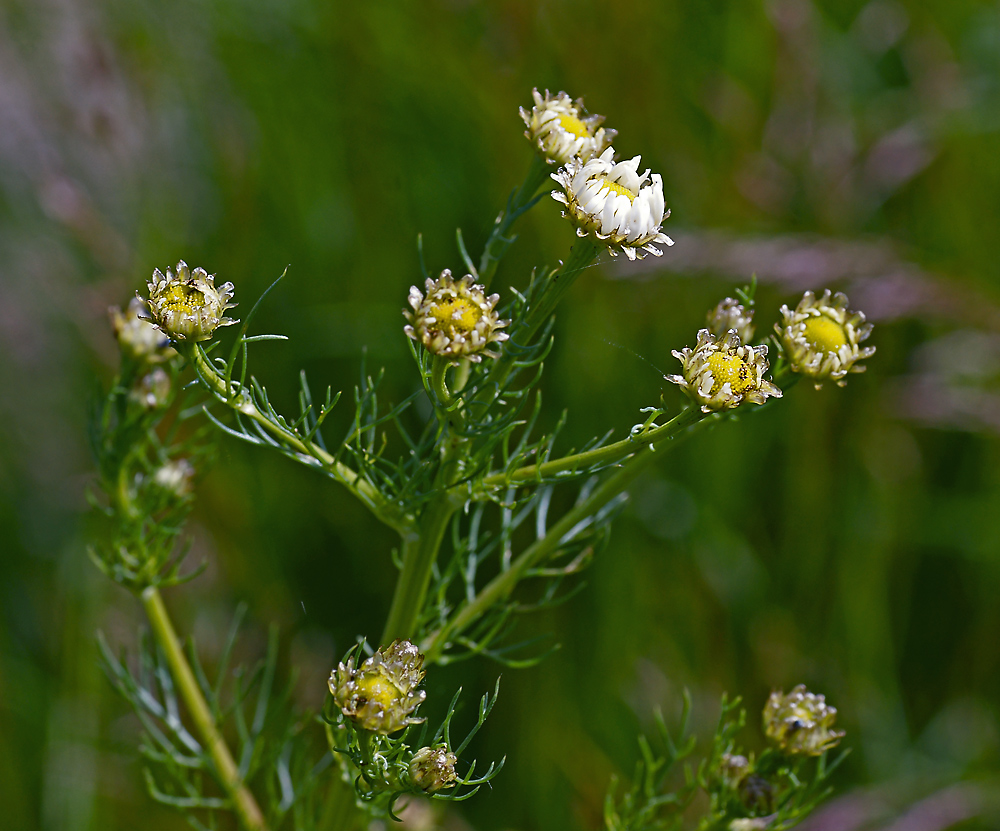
821,337
801,723
456,318
433,768
137,336
615,203
722,373
731,314
186,305
381,695
562,131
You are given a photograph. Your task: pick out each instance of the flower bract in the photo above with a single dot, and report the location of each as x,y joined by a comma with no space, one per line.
186,305
615,203
381,695
433,768
731,314
722,373
562,131
821,337
801,722
456,318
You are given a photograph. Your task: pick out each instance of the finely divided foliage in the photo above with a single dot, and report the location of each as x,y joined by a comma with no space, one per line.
494,520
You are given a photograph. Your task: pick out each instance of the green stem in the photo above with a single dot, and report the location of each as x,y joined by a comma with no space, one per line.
498,240
239,400
608,454
244,805
419,553
503,584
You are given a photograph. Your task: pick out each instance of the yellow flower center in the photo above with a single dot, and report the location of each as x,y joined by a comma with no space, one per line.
824,334
182,298
572,124
730,369
373,687
615,187
456,314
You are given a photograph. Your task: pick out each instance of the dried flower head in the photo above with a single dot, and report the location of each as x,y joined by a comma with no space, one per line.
801,722
137,336
176,476
559,127
821,337
433,768
382,693
614,203
186,305
456,318
721,373
152,390
731,314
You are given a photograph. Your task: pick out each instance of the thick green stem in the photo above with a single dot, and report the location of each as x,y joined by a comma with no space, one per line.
419,553
503,584
227,772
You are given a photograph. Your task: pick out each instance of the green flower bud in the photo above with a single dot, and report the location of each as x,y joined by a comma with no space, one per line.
731,314
433,768
136,336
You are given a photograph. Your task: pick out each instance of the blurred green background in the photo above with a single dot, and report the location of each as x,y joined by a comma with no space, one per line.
848,539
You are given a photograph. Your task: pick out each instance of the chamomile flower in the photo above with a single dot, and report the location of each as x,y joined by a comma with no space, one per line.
801,722
821,337
722,373
615,203
559,127
433,768
186,305
381,695
731,314
455,319
137,336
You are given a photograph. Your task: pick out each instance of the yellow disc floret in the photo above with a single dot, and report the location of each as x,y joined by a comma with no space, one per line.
186,305
572,124
617,188
456,315
732,370
824,334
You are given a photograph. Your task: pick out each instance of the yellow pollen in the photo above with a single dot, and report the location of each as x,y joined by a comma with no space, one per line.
181,298
456,314
375,688
732,370
621,190
824,334
572,124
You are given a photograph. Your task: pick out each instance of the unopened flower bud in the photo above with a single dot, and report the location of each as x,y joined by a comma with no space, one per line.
382,693
821,337
176,476
733,769
136,336
722,373
455,319
750,824
731,314
756,793
152,390
801,722
186,305
433,768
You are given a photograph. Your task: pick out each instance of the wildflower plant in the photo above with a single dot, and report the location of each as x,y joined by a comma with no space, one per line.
471,499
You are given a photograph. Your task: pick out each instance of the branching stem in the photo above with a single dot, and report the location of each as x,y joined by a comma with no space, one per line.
244,804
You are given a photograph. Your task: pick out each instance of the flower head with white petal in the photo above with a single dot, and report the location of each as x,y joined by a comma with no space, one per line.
456,318
559,127
821,337
614,203
722,373
186,305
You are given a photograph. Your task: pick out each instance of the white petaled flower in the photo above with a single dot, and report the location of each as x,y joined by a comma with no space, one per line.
455,319
722,373
381,695
137,336
615,203
186,305
731,314
559,127
821,337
